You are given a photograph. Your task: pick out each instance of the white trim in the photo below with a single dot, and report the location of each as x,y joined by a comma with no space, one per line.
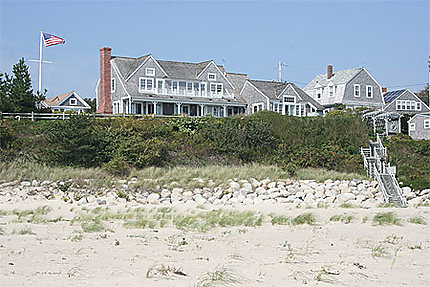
209,77
147,72
412,127
367,92
222,74
359,92
247,81
146,84
149,56
73,102
287,96
427,123
77,96
258,105
116,70
423,104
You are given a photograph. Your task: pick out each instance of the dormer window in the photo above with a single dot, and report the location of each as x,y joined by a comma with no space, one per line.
289,99
73,102
150,72
331,92
211,77
418,106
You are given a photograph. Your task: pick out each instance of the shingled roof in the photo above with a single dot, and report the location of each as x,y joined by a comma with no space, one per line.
57,99
274,89
338,78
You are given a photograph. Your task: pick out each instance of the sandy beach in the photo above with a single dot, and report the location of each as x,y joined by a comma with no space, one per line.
51,249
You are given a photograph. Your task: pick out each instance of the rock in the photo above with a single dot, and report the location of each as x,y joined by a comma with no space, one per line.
409,195
248,201
25,183
291,198
271,185
319,194
234,185
406,189
361,197
298,201
329,199
200,200
217,201
309,198
329,192
153,198
34,183
284,192
372,190
361,187
165,193
346,196
245,191
273,190
121,181
247,186
274,194
374,183
176,194
187,195
101,201
328,181
415,201
197,191
425,191
225,197
260,190
258,200
300,194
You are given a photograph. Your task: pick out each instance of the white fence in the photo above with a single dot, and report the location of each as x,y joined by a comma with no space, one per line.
63,116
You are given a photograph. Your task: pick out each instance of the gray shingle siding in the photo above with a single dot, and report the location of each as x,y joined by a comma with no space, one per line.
363,79
67,102
252,96
419,133
406,95
220,78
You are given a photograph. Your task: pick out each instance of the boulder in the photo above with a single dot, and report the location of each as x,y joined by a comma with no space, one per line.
153,198
234,185
309,198
25,183
187,195
165,193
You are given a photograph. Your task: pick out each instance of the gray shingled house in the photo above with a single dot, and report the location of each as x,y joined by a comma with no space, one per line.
70,101
145,85
279,97
419,126
404,102
352,88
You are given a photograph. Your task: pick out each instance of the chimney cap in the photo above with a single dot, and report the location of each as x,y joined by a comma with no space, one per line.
105,49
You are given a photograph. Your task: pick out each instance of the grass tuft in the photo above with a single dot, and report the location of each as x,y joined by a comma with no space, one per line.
386,218
342,218
305,218
220,277
418,220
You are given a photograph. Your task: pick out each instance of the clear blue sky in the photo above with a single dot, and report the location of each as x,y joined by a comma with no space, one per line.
389,38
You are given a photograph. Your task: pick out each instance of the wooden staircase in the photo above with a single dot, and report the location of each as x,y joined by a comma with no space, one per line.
377,166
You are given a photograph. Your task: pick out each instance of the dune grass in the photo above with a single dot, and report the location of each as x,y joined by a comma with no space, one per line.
342,218
305,218
417,220
221,276
386,218
321,175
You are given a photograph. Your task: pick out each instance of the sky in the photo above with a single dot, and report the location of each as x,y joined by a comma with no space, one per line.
389,38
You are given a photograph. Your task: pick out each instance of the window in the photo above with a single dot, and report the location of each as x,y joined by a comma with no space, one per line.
411,126
211,77
174,86
427,124
113,85
216,88
189,87
418,106
289,99
369,91
150,71
146,84
257,107
398,105
203,88
73,102
331,91
160,86
357,91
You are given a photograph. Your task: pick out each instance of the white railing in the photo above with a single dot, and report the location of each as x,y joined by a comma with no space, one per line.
187,93
381,184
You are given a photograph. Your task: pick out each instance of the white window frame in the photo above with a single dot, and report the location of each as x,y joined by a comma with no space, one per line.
73,102
412,127
216,88
150,72
331,91
145,89
418,106
367,92
356,86
427,124
319,93
162,85
260,107
113,85
291,97
209,77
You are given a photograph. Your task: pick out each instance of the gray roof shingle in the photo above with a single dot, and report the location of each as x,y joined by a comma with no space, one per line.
338,78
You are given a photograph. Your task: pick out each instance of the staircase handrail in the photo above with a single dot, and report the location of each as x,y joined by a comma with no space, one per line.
381,185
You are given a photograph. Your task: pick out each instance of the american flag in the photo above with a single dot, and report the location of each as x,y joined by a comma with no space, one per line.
51,40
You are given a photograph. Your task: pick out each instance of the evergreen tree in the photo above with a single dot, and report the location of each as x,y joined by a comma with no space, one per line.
21,96
4,92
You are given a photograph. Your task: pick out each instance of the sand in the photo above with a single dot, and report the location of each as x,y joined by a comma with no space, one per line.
325,254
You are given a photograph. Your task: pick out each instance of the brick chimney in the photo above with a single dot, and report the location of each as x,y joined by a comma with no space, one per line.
105,100
384,90
329,72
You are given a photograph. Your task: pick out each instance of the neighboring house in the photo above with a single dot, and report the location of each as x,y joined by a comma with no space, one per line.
404,102
145,85
279,97
419,126
67,102
352,88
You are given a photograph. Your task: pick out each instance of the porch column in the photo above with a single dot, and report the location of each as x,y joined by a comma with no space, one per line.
225,110
283,109
155,107
202,110
179,108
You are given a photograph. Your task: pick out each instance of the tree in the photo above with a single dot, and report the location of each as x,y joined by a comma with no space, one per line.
16,92
92,103
424,95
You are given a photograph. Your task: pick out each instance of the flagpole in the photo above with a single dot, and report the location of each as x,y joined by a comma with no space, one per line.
40,61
